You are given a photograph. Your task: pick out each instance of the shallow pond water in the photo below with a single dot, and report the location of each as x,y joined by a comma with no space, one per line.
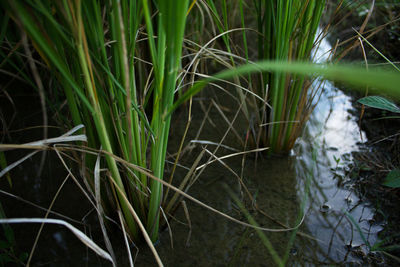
321,159
327,235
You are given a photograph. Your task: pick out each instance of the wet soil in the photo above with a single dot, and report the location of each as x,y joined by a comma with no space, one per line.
372,165
382,30
381,153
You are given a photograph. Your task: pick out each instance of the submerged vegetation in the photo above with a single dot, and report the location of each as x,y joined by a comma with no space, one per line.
125,67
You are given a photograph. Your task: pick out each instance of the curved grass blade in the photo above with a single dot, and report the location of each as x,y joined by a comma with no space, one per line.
357,77
78,233
251,220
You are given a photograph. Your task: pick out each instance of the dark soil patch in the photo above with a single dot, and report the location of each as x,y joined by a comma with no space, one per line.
370,169
382,30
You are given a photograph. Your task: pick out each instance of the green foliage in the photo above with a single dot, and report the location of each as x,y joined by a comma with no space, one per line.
123,90
379,102
91,48
8,247
354,76
379,245
382,245
393,179
288,30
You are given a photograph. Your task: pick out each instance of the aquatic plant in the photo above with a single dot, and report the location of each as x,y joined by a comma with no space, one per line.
95,53
280,102
92,49
288,32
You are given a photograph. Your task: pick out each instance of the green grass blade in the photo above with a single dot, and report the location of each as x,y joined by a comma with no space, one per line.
356,77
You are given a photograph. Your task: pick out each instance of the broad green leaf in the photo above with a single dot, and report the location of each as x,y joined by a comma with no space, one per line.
393,179
379,102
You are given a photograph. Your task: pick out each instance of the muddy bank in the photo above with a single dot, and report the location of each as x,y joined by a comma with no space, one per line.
380,154
372,165
382,29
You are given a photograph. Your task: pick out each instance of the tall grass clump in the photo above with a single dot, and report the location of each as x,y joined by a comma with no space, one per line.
118,87
117,62
287,33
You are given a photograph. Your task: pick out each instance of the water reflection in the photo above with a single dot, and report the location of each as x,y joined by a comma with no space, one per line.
327,235
331,135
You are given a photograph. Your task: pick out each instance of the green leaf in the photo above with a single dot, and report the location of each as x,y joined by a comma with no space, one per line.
393,179
352,75
4,244
379,102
